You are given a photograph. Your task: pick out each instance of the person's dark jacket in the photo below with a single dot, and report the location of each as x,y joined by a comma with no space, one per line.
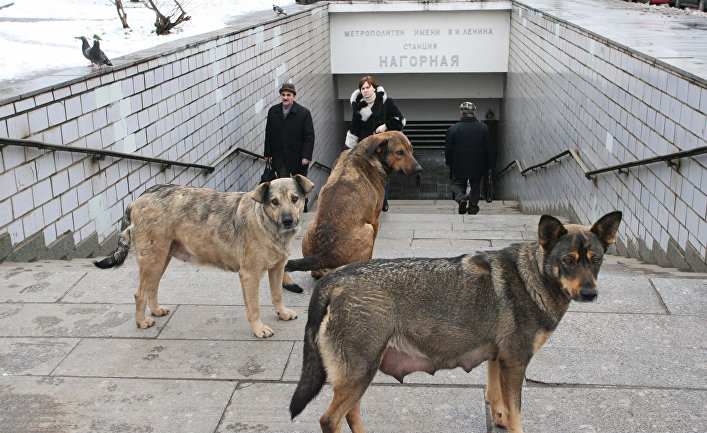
365,120
289,139
468,149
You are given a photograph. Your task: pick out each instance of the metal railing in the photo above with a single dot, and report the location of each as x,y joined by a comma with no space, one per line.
101,154
621,168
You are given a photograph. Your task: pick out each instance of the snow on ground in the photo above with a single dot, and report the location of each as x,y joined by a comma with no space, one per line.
39,35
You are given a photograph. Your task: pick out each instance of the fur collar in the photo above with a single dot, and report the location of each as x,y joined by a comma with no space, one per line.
380,91
367,111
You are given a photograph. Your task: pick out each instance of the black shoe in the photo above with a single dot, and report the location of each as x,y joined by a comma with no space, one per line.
462,206
473,210
385,207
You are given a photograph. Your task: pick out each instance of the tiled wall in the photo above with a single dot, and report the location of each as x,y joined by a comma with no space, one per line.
189,104
566,89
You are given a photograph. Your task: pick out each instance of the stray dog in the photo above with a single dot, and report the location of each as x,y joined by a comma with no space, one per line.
417,314
346,224
248,233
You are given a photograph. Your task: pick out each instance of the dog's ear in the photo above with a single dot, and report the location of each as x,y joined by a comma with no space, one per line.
373,142
606,227
304,184
261,192
549,231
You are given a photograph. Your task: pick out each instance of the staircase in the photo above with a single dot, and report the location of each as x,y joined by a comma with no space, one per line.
427,133
427,138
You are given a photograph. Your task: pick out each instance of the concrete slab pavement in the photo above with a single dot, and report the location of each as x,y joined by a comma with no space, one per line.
72,359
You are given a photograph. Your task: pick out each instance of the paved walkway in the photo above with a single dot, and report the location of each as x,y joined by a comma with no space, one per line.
72,359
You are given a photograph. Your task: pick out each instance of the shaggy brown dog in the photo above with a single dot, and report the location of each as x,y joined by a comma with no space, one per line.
346,224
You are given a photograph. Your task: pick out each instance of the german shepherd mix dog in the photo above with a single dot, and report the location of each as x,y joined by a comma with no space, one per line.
248,233
346,224
418,314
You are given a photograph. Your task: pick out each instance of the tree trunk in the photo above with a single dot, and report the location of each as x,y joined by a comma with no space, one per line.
121,13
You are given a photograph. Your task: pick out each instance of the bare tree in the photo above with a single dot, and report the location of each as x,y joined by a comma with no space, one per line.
121,12
164,23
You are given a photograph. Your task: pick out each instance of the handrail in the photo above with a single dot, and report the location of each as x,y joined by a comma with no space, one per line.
515,161
590,174
101,153
667,158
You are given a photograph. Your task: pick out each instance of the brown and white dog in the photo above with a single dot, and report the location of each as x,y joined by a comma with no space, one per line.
245,232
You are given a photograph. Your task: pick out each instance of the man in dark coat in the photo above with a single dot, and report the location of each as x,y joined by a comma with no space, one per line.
469,155
289,135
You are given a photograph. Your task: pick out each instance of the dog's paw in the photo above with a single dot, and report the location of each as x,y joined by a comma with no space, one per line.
287,314
160,311
262,331
293,288
145,323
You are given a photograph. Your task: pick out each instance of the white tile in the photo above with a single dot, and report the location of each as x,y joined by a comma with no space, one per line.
85,124
8,185
42,192
69,201
24,105
18,126
57,114
49,233
80,215
33,222
22,203
16,232
5,212
84,192
38,120
70,132
26,176
96,206
73,107
88,102
52,211
65,224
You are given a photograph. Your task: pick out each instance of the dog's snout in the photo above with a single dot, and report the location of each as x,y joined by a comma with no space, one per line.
588,293
417,169
288,221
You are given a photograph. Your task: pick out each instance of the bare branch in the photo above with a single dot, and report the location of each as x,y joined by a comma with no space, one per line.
163,24
121,12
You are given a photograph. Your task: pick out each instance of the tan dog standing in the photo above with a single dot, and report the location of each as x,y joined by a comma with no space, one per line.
345,227
248,233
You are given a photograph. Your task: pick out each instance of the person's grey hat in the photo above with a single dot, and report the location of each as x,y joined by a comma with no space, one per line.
288,87
468,107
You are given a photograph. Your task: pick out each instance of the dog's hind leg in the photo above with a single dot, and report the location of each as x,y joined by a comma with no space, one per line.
152,266
354,419
275,276
494,398
346,403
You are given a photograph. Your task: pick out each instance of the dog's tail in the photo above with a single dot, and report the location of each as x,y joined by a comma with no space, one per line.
116,259
309,263
313,373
